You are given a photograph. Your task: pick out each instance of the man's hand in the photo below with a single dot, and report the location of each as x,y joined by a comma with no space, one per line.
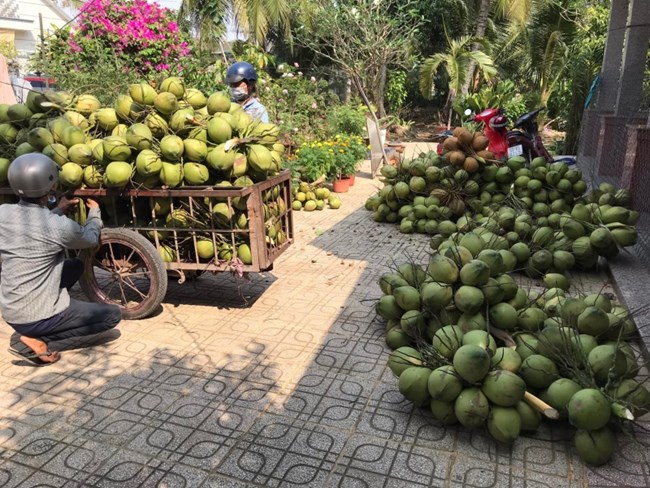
90,203
66,203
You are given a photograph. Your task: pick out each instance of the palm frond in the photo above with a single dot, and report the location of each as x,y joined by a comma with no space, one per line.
428,72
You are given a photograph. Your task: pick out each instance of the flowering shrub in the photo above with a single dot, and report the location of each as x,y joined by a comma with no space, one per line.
113,43
336,157
143,34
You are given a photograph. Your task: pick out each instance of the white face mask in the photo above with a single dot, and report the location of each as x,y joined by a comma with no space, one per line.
238,94
51,200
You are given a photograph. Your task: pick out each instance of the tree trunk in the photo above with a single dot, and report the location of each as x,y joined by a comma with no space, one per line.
481,24
379,93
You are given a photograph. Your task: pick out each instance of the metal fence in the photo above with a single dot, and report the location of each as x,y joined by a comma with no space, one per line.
615,148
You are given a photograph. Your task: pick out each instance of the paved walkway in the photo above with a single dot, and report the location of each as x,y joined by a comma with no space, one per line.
278,382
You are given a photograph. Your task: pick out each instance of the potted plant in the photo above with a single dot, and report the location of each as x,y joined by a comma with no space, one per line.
349,151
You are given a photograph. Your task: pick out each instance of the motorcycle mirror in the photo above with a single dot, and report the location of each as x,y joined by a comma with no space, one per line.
468,111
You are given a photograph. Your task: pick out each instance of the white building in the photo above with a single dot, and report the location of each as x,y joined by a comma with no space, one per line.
21,20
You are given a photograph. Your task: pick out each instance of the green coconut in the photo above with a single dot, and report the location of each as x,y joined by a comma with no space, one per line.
593,321
218,102
402,358
436,296
469,299
412,322
595,447
171,174
39,137
471,408
194,150
93,177
259,157
469,322
195,174
531,419
117,174
503,316
448,340
556,280
4,169
219,130
148,163
71,175
475,273
560,392
599,300
115,148
442,269
412,273
139,136
472,242
589,409
471,362
390,282
407,297
538,371
444,384
634,395
531,319
507,359
503,388
504,424
482,339
171,148
526,345
606,360
413,385
221,160
493,259
443,412
388,308
396,338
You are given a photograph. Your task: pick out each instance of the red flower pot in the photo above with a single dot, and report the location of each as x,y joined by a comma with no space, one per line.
351,178
341,185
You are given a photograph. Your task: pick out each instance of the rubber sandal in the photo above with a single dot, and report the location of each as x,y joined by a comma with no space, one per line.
35,356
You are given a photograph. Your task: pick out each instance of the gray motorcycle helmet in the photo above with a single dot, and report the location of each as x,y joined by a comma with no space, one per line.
33,175
240,71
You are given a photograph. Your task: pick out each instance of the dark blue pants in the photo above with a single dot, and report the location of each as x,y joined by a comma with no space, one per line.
79,319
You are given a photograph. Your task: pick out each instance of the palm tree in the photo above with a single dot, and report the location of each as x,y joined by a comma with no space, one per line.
513,11
456,62
255,18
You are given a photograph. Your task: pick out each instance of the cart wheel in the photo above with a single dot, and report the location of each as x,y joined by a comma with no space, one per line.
127,271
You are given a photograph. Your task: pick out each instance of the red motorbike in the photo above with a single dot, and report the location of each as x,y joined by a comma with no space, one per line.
523,140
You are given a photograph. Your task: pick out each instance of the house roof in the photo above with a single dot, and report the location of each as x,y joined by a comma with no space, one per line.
9,9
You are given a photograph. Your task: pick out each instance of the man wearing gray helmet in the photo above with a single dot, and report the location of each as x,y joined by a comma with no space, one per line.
35,275
242,79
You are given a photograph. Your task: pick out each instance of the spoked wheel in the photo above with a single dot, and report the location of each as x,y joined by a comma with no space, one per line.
127,271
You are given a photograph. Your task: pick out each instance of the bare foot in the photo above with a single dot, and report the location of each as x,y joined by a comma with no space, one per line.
39,347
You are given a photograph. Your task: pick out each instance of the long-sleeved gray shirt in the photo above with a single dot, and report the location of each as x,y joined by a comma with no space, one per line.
32,244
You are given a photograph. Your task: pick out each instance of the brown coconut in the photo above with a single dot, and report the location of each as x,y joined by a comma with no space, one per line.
464,136
470,165
485,154
450,144
456,157
480,142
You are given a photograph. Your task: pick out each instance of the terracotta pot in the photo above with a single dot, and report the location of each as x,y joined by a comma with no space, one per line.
351,178
341,186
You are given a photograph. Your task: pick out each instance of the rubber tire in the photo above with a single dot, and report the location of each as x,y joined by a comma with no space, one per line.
152,260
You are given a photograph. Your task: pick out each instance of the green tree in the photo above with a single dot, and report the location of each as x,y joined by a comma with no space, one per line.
363,39
207,18
456,61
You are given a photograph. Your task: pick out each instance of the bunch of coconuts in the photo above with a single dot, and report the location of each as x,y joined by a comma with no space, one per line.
479,350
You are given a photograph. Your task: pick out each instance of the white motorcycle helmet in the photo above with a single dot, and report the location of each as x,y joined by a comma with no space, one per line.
33,175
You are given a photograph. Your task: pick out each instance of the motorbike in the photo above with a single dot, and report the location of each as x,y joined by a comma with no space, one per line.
523,140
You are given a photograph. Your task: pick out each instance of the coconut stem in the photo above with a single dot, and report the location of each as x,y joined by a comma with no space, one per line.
541,406
622,412
504,336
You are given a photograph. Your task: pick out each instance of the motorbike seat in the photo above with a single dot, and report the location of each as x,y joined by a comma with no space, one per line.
527,118
517,133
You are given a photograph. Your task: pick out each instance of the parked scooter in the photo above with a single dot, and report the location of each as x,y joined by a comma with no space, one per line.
524,140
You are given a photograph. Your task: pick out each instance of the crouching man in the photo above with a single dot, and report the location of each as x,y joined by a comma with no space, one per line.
35,275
